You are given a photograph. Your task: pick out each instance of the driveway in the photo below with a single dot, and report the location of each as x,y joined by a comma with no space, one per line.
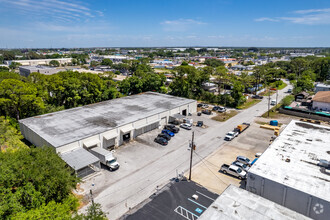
143,171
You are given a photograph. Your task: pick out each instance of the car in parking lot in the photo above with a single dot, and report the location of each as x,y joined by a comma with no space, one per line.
257,97
165,131
244,160
172,128
273,102
186,126
199,113
233,170
207,112
241,165
289,90
231,135
199,123
219,109
165,136
161,141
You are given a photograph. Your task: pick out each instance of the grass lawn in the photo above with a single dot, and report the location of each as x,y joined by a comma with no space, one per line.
225,116
282,86
250,102
272,112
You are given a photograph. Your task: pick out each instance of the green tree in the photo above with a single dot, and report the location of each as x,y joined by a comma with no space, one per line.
10,138
237,93
106,62
18,99
14,65
54,63
213,62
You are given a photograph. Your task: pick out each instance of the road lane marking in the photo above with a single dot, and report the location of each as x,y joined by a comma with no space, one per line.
205,196
197,203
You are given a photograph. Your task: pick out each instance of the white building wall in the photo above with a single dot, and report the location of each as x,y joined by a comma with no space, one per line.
321,105
32,137
68,147
293,199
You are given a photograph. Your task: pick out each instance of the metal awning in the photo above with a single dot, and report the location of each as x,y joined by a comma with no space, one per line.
178,116
91,143
111,134
79,158
149,123
126,129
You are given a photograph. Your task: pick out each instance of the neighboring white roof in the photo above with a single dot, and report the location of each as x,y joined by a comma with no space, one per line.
79,158
237,203
302,145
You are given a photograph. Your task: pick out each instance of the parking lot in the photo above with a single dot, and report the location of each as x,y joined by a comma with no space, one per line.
175,201
142,151
251,141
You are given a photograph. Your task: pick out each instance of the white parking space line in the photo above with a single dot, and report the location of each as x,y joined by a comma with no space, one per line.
197,203
185,213
205,196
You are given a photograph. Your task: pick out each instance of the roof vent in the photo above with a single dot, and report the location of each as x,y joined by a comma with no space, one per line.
324,163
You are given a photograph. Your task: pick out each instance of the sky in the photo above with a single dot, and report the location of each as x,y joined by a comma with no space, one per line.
160,23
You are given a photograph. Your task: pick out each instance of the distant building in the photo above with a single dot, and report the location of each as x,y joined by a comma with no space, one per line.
321,101
46,70
294,171
62,61
237,203
301,54
321,87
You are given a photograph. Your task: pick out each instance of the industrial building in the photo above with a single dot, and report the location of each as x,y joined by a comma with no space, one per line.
294,170
237,203
106,124
62,61
46,70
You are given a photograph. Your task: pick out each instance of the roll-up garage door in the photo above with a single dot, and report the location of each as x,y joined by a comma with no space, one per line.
146,128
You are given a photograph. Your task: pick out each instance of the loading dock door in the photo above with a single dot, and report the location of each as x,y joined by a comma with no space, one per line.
127,137
147,128
184,112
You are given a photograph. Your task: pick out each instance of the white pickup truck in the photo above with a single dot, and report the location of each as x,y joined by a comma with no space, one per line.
233,170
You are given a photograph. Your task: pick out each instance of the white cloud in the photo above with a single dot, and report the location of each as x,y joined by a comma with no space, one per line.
51,8
267,19
308,17
180,24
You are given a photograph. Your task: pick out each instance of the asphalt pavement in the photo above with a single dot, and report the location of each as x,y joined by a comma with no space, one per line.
119,197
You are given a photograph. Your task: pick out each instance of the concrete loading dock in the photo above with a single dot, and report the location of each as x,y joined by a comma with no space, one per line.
106,124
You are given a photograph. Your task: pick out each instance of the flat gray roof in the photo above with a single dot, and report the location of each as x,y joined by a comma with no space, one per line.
237,203
292,159
36,67
64,127
79,158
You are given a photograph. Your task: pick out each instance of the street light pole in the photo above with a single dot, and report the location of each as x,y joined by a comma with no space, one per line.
191,154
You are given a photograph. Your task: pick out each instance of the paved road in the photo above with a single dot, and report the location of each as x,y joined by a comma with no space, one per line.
126,193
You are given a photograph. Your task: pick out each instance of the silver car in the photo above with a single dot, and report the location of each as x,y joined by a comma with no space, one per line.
241,165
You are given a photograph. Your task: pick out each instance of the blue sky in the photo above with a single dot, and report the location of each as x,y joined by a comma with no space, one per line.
139,23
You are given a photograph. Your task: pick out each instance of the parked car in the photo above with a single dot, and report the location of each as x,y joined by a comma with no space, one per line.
165,136
289,90
221,109
207,112
199,105
186,126
273,102
231,135
165,131
244,160
257,97
161,141
233,170
172,128
199,113
199,123
205,106
215,108
241,165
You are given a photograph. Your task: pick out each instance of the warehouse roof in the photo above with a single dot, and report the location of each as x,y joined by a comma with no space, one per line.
79,158
64,127
237,203
293,158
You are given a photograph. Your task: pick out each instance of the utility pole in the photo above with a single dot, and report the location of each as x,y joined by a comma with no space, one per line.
92,196
268,101
191,154
276,95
